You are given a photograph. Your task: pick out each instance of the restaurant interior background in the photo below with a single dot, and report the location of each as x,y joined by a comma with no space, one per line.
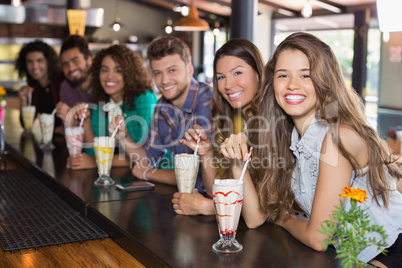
142,21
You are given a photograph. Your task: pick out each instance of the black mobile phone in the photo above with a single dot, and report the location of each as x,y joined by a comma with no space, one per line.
136,186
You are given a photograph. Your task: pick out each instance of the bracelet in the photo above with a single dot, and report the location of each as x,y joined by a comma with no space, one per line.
145,173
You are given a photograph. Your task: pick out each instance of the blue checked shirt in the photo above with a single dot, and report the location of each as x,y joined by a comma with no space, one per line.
169,124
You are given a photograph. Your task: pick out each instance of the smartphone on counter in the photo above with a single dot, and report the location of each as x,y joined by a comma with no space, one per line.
136,186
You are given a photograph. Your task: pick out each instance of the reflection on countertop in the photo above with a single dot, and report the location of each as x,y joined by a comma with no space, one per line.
145,224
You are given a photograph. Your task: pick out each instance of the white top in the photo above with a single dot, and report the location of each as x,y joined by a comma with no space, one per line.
304,181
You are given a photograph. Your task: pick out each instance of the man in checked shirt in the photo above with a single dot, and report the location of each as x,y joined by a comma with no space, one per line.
184,102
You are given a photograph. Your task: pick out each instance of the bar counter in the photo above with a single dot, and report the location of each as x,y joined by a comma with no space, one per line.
144,223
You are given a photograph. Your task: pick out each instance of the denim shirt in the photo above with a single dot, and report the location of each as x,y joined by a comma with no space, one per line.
304,181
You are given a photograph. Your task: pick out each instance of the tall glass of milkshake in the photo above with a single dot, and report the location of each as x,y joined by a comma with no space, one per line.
228,200
186,170
28,116
46,125
74,139
104,150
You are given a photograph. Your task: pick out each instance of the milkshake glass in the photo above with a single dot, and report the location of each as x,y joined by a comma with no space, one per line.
46,125
74,139
186,170
104,150
228,200
28,116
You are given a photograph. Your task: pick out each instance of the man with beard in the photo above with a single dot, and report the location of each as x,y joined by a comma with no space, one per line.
38,62
184,102
76,60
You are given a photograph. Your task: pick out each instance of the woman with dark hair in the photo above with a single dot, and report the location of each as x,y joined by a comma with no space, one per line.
238,67
121,86
39,63
320,137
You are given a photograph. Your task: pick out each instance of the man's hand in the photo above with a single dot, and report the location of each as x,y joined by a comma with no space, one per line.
23,95
62,110
192,204
191,137
81,161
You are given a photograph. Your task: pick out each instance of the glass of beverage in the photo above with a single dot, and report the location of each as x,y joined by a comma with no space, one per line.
228,200
46,125
28,116
186,170
74,139
104,150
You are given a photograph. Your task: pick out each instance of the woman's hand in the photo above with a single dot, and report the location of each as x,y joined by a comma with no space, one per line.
118,121
192,204
204,146
82,113
81,161
235,147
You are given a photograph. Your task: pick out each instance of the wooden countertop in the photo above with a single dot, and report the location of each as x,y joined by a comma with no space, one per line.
145,224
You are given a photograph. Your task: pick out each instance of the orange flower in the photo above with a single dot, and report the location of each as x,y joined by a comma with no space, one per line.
357,194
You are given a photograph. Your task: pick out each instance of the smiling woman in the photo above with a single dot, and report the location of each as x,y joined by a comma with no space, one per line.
121,86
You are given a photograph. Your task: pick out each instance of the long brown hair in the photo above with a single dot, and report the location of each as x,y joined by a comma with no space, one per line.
221,109
136,78
274,187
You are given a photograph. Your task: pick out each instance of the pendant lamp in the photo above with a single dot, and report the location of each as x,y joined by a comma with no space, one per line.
192,22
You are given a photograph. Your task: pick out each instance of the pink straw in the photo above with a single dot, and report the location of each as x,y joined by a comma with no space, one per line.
198,142
83,118
245,165
116,129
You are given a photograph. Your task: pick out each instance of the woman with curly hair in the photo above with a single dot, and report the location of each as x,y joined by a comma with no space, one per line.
121,86
322,142
238,67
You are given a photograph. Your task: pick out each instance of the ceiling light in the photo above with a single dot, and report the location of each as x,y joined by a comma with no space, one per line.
192,22
15,3
116,25
307,10
169,28
185,10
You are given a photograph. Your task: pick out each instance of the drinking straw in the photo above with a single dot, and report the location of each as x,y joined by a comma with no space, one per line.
29,98
198,142
116,129
83,117
245,164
